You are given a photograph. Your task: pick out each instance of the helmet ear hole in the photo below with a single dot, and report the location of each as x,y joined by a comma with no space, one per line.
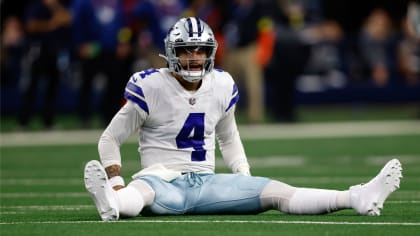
177,51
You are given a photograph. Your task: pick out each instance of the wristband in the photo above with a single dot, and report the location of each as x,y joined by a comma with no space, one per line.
116,181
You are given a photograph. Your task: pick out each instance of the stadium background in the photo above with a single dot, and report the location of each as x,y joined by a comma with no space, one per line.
352,92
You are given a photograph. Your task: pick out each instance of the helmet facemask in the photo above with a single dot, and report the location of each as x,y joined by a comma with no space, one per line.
192,69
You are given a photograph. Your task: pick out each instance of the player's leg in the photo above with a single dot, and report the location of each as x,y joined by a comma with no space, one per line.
133,198
294,200
194,193
366,199
226,194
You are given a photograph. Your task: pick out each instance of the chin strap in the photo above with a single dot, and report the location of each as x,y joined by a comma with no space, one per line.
163,56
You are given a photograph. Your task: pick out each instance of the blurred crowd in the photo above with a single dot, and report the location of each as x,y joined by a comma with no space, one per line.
271,47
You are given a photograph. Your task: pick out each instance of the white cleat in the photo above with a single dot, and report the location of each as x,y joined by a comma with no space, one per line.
96,183
368,199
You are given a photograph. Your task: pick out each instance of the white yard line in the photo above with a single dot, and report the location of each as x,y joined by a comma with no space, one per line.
269,131
287,179
404,194
49,207
18,210
44,195
221,222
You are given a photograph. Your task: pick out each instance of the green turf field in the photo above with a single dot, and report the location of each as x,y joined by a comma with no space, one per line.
42,191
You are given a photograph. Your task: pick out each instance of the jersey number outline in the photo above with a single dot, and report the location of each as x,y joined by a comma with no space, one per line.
194,122
147,72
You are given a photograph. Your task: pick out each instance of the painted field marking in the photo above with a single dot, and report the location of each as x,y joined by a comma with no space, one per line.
288,179
80,207
220,222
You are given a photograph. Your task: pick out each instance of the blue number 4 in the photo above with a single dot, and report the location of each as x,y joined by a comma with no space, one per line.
184,139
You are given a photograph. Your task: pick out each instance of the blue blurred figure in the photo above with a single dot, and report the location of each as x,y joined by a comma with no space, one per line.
377,45
47,24
102,46
149,21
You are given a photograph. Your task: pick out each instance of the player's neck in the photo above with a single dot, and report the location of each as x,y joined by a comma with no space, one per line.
187,85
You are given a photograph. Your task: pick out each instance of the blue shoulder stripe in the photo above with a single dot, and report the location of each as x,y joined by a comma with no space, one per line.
141,103
135,89
235,97
233,101
235,89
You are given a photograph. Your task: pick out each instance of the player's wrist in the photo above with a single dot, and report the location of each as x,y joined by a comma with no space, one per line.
244,170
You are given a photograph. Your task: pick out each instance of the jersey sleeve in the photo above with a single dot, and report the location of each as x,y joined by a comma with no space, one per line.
125,122
227,89
128,120
230,144
227,133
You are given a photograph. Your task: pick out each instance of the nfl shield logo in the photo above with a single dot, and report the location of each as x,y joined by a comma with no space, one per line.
192,101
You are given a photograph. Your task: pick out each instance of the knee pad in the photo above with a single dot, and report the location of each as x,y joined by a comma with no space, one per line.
145,190
276,195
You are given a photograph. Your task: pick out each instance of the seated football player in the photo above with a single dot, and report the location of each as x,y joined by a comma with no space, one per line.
179,112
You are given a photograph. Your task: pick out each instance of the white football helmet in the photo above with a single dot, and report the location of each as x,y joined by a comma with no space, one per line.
190,32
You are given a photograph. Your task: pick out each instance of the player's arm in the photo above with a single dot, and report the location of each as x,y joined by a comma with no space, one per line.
124,123
231,145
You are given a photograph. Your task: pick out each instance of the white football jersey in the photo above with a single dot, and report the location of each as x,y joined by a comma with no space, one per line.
179,126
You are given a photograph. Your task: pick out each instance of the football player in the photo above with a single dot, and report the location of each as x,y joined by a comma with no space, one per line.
178,113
